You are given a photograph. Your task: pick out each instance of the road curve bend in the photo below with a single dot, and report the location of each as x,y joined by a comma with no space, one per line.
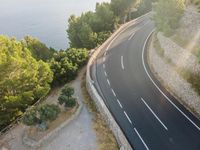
149,116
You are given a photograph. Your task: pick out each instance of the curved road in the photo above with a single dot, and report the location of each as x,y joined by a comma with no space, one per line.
149,116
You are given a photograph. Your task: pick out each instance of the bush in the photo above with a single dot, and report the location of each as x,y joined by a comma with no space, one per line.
68,91
48,112
71,102
30,118
65,64
39,116
66,97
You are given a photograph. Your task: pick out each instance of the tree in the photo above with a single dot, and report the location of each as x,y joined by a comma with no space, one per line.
105,19
122,8
23,80
39,50
83,31
66,97
78,56
167,16
80,33
65,64
64,70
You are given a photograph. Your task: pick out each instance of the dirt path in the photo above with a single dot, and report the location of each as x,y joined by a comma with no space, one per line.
79,134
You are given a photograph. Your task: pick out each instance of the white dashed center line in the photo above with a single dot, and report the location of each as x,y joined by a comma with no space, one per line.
128,117
119,103
105,73
113,92
122,62
108,82
141,139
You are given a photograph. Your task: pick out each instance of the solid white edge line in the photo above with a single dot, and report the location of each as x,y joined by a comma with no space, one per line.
122,62
159,88
113,92
119,103
108,82
131,36
128,117
154,114
141,139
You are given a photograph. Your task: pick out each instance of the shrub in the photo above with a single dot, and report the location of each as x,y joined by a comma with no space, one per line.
68,91
39,116
71,102
30,118
66,97
48,112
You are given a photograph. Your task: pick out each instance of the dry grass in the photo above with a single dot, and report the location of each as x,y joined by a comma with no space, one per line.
35,134
106,140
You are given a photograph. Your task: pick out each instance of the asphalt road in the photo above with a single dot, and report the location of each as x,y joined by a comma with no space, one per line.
149,116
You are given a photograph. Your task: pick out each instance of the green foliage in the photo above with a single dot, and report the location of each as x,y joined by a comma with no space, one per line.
23,80
30,118
65,64
84,31
102,37
77,56
143,7
198,54
122,8
168,14
41,115
66,97
68,91
193,79
48,112
105,19
39,50
71,102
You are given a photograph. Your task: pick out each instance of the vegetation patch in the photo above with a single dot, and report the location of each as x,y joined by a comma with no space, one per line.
193,79
168,14
159,50
106,139
35,134
45,118
197,3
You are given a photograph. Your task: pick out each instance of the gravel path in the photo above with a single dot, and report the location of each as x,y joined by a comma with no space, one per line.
78,135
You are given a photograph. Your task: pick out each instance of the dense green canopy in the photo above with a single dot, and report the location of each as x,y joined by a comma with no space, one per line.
23,80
